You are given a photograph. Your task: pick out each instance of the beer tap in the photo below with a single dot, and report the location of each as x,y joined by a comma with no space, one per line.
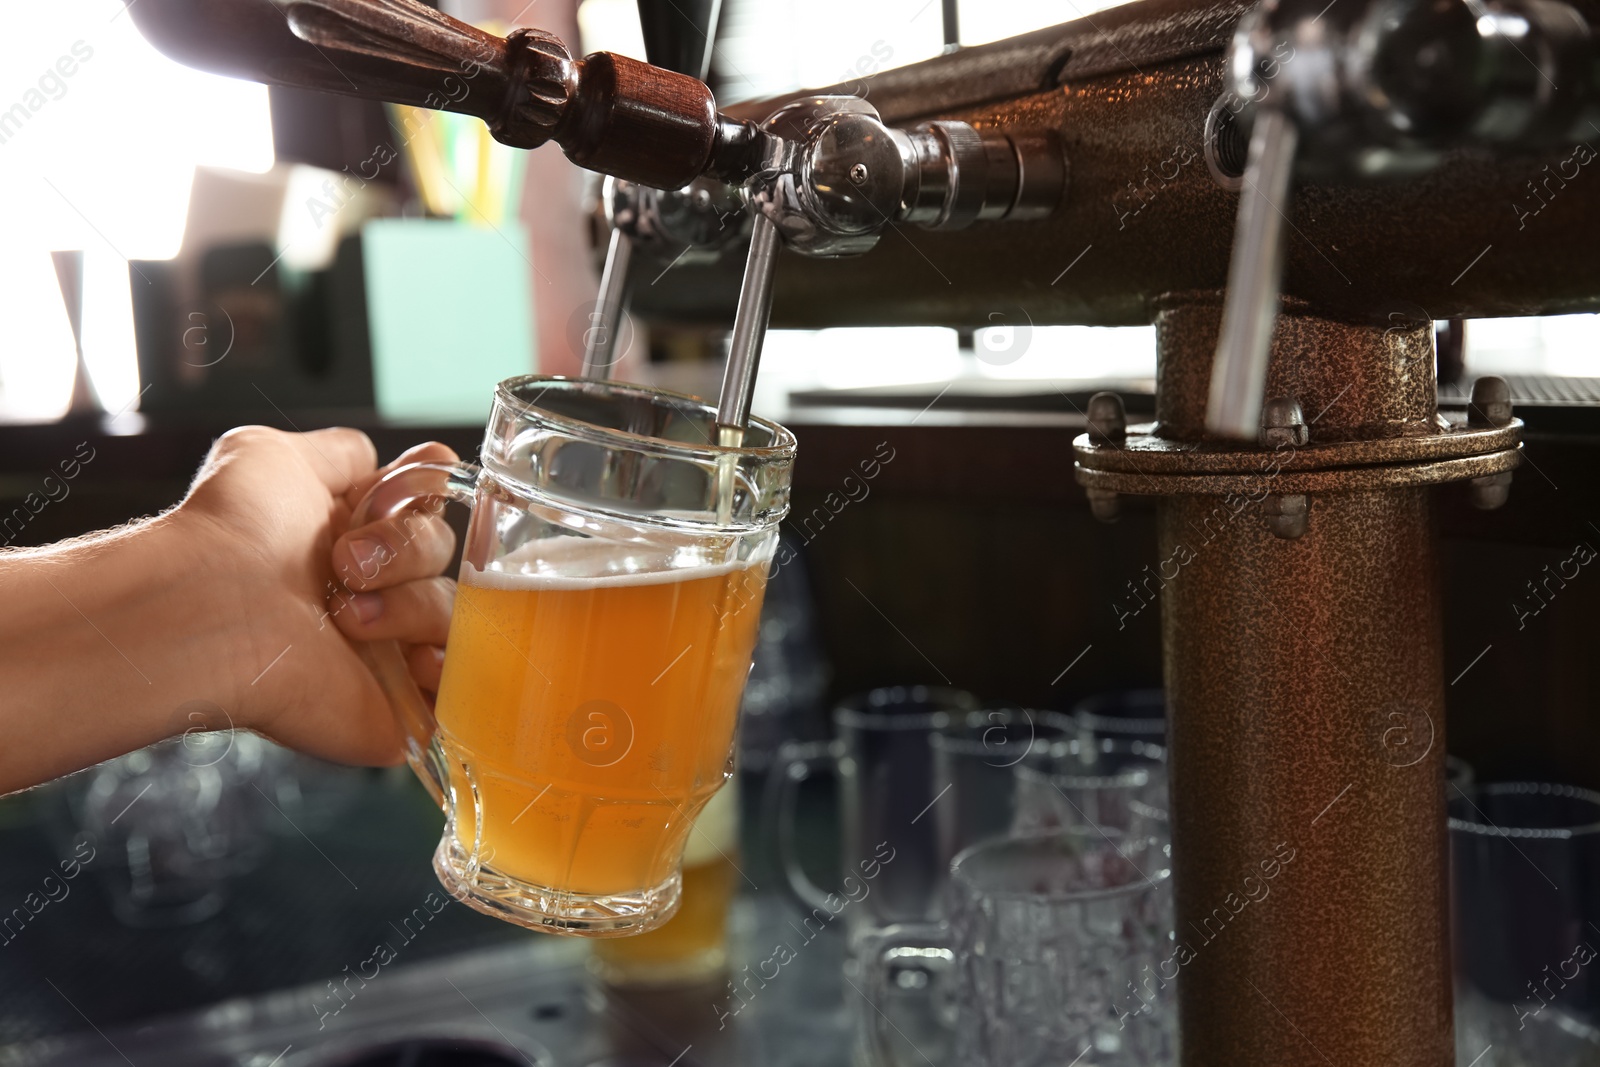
677,226
605,322
609,113
836,177
679,40
823,175
1356,91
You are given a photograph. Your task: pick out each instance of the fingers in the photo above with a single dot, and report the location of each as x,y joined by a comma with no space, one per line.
390,552
427,452
340,457
416,613
417,543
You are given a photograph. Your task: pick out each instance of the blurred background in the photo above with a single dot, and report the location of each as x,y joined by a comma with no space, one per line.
190,162
182,253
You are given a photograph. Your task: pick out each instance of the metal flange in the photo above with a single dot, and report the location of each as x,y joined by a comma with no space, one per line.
1483,446
1268,478
1144,451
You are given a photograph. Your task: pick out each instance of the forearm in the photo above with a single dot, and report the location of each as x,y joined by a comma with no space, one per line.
104,641
216,615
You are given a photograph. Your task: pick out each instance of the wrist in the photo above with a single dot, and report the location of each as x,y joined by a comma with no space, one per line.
251,615
112,641
207,617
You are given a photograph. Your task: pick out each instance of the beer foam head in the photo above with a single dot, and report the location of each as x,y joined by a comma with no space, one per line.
589,562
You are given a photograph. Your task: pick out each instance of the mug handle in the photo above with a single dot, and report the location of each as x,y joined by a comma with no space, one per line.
796,762
879,951
395,492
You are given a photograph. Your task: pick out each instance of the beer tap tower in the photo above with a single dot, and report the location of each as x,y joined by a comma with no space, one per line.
701,218
1225,161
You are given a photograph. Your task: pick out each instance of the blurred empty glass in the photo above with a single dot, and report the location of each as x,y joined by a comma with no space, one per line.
1525,861
788,674
1052,936
975,761
889,842
173,822
1110,783
1126,714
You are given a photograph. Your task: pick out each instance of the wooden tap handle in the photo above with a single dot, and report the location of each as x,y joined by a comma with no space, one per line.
608,112
641,123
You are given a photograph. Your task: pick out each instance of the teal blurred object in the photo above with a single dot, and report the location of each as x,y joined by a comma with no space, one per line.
450,310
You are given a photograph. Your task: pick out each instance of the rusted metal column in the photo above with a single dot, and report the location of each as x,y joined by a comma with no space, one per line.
1353,382
1300,625
1287,663
1309,866
1307,695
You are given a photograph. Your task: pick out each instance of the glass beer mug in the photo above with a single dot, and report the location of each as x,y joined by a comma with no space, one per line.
605,618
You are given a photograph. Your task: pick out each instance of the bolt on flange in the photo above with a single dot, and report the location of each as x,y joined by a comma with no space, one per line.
1283,422
1490,406
1108,425
1287,514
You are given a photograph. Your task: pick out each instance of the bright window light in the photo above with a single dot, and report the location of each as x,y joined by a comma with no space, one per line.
983,21
860,357
766,47
99,138
108,347
1102,353
1565,345
611,26
37,357
852,358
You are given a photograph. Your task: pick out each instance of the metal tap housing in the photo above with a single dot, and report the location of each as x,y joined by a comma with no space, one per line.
839,176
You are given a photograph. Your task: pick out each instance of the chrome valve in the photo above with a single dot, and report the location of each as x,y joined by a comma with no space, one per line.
837,176
696,222
1362,90
688,225
831,178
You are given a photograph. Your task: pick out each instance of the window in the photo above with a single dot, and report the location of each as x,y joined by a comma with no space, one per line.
1564,345
769,47
99,138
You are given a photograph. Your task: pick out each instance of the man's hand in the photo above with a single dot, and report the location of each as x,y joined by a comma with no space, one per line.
269,512
245,600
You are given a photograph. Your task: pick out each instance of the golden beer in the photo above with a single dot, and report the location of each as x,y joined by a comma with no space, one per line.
586,721
693,945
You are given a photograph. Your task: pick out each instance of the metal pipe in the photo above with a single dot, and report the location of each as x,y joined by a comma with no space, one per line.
1255,276
1129,91
950,12
605,323
1306,685
749,325
1308,849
